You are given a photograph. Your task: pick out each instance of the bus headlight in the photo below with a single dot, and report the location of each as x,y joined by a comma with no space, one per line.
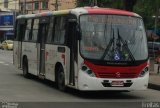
144,71
86,69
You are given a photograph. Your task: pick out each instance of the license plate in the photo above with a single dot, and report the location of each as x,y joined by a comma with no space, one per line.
117,83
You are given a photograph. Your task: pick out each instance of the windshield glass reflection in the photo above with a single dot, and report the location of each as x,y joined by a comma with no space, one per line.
113,38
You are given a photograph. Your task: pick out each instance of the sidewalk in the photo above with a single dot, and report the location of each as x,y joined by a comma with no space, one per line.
154,78
154,81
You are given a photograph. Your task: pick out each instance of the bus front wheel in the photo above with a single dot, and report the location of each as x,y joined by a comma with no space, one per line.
61,79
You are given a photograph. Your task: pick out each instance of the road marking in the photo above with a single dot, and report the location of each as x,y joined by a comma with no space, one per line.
1,62
6,64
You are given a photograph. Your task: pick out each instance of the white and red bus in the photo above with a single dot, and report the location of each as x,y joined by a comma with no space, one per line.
88,48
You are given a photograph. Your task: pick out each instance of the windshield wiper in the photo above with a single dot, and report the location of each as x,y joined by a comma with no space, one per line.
125,46
109,45
112,42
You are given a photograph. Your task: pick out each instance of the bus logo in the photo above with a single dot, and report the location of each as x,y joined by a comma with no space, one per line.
118,75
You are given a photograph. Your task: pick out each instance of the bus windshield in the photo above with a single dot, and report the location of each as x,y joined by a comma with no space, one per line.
113,38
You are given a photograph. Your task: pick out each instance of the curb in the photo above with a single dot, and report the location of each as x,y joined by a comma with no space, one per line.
154,86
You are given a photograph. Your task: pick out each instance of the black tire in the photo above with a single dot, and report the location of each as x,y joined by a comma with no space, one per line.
61,79
25,69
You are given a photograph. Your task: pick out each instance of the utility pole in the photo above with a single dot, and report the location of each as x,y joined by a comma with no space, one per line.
23,7
19,6
56,5
15,12
32,6
155,22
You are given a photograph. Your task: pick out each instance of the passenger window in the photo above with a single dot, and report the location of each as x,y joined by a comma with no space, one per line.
59,37
43,29
28,30
35,30
50,31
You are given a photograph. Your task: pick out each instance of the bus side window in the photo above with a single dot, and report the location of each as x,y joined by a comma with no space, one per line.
43,29
59,36
19,30
28,30
50,31
35,30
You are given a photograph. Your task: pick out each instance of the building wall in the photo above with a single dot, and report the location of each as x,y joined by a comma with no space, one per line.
31,5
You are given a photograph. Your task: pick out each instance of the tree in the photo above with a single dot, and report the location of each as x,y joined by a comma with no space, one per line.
147,11
146,8
129,4
81,3
120,4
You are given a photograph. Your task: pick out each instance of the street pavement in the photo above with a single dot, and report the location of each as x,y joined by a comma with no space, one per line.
154,78
154,81
36,93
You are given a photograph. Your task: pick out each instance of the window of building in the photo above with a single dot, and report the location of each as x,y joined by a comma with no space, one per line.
28,6
44,5
5,3
36,5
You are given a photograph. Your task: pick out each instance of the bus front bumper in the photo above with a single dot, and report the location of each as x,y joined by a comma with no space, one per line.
88,83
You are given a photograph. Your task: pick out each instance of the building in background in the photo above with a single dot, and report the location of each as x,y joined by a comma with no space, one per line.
6,25
8,12
9,5
9,9
35,6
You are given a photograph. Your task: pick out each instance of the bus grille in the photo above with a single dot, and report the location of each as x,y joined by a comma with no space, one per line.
116,75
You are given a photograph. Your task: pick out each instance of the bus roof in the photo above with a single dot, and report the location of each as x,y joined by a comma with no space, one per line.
82,10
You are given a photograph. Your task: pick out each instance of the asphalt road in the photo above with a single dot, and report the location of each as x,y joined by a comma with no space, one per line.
28,93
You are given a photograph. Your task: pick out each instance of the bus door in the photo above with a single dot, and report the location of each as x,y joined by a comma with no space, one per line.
72,43
43,27
17,49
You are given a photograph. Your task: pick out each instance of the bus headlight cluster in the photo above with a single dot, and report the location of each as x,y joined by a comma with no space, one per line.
144,71
85,69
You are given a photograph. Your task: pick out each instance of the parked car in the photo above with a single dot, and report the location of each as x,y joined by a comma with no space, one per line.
0,45
7,44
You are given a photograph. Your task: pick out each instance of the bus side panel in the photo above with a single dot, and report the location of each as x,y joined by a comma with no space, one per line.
50,61
30,50
16,54
52,56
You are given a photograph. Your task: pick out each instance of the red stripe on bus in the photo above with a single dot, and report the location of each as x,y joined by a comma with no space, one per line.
63,57
109,11
112,71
